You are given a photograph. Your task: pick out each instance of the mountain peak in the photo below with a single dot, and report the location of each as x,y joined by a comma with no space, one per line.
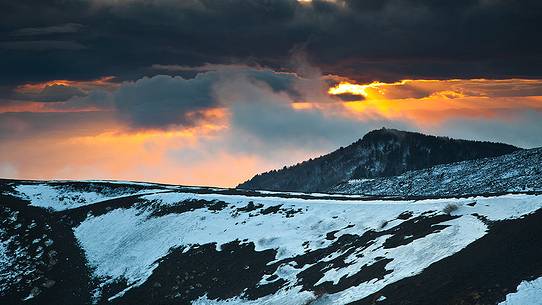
391,133
385,130
380,153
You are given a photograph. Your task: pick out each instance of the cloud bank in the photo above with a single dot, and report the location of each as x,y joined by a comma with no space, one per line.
384,40
227,123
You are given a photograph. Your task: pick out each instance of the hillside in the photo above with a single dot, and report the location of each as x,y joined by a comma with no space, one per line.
126,243
380,153
515,172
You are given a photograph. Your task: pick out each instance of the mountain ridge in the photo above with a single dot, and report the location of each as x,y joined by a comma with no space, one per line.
380,153
519,171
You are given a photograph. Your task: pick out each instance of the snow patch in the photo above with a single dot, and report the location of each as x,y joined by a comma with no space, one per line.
61,198
6,264
127,243
528,292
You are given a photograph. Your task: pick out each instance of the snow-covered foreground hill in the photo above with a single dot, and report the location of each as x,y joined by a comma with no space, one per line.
127,243
520,171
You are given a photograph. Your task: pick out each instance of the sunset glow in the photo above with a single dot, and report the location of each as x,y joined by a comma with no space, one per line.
200,154
213,92
365,90
105,82
431,102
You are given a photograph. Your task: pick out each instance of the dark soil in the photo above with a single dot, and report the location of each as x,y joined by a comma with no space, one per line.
61,275
182,277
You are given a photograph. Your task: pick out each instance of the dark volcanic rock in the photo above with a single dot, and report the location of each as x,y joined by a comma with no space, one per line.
481,274
172,248
50,267
184,276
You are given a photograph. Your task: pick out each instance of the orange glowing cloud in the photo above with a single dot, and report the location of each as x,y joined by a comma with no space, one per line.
24,106
366,90
56,96
105,82
430,102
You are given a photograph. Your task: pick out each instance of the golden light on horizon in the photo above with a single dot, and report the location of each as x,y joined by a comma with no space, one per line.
348,88
428,103
374,89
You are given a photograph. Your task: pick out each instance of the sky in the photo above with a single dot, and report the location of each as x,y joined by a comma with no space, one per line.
212,92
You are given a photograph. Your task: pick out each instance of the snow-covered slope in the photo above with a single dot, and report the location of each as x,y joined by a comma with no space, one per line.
528,292
520,171
178,245
61,195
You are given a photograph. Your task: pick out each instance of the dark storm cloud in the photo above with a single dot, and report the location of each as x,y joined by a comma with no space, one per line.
54,93
163,101
54,29
41,45
51,93
347,97
365,40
